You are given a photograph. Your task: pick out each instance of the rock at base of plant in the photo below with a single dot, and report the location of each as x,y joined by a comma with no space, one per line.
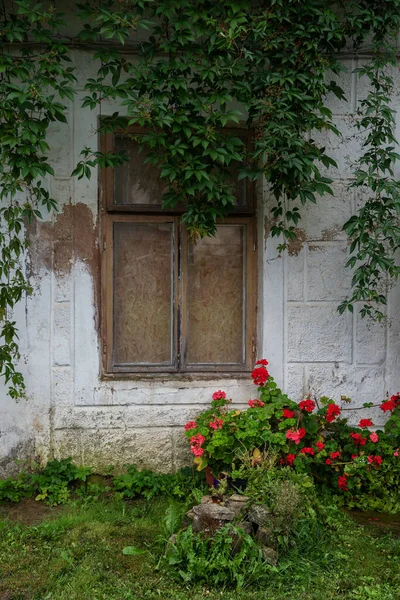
264,536
246,526
239,498
206,500
270,555
209,517
258,514
236,507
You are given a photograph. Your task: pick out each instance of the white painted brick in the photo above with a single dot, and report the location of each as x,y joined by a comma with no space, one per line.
344,80
117,417
370,342
344,149
295,382
67,444
182,455
198,393
295,276
325,219
62,191
63,288
62,386
62,334
327,277
317,333
60,142
148,448
361,384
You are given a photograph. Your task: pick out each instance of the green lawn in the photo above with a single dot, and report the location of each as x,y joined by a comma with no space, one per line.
76,553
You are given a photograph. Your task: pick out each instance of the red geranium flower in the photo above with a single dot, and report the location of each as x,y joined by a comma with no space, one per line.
376,460
374,437
358,439
216,424
262,361
220,395
197,439
335,454
342,483
190,425
307,451
388,405
328,461
332,412
288,414
290,459
255,403
260,375
296,436
354,456
196,450
308,405
365,423
320,445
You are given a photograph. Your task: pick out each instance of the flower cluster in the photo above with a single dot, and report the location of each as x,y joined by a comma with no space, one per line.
332,412
217,423
288,414
220,395
255,403
307,405
260,376
391,404
196,442
296,436
307,436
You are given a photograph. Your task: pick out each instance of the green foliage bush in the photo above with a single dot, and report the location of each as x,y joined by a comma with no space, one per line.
61,480
231,557
359,466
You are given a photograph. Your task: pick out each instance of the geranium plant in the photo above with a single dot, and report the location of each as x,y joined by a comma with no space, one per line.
312,437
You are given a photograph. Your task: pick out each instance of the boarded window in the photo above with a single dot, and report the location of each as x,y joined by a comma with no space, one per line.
170,305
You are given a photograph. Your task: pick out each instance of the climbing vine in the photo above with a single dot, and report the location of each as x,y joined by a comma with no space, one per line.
193,74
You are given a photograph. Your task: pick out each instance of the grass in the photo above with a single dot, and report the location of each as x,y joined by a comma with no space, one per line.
76,554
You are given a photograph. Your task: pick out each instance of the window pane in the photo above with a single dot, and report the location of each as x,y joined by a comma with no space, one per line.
143,293
216,298
136,182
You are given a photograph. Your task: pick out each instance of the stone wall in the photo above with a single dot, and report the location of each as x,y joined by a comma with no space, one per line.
72,411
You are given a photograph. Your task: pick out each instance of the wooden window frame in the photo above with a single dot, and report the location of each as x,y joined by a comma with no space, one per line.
110,214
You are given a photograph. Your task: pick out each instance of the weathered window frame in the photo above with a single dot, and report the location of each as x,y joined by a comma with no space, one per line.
110,214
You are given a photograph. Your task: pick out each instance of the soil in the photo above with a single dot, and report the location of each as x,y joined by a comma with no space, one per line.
27,512
380,522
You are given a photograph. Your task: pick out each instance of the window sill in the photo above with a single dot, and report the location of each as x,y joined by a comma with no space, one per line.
183,377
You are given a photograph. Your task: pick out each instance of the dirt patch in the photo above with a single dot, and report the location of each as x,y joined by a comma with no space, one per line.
27,512
380,522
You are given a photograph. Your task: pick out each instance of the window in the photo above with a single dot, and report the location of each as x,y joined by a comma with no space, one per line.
168,305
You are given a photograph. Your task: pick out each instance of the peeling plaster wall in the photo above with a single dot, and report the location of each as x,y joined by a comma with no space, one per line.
70,411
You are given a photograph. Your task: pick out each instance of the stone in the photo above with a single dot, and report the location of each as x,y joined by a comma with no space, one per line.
214,512
270,555
258,514
246,526
206,500
317,333
236,507
264,535
210,517
239,498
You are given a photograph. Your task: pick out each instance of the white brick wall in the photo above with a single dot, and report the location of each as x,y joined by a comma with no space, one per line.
71,411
